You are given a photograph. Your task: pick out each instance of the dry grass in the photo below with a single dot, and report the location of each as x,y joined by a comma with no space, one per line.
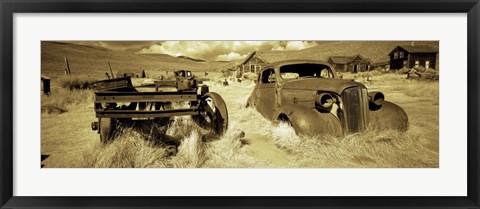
128,151
68,140
132,149
371,148
60,100
395,83
265,144
76,82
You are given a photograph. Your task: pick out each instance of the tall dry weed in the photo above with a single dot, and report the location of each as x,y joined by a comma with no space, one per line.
191,152
129,150
60,100
76,82
371,148
132,149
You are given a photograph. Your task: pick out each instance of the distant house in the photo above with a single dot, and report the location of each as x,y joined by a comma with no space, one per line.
256,61
253,63
382,63
353,64
410,56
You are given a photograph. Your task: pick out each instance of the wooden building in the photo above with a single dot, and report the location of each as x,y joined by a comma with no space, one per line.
253,63
410,56
381,64
256,61
352,64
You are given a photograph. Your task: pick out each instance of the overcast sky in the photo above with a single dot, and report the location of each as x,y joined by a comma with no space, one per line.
207,50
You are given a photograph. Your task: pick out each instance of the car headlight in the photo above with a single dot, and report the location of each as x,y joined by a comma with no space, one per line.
376,98
324,101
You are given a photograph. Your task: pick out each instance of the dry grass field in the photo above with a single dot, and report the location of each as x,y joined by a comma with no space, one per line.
69,142
250,142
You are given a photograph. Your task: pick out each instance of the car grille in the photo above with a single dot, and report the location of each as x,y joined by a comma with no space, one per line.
355,104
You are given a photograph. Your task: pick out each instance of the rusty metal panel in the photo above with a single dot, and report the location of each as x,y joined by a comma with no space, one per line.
100,113
144,96
112,84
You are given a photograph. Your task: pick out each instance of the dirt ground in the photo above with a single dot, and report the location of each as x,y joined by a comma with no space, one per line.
67,137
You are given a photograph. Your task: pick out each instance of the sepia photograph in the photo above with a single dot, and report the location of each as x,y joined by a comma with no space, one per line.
239,104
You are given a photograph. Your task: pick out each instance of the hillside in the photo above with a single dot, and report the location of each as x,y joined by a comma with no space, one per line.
93,61
375,50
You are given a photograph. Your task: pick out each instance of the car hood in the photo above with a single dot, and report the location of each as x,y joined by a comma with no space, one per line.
324,84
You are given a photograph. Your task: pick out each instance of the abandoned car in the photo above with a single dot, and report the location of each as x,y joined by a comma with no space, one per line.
311,98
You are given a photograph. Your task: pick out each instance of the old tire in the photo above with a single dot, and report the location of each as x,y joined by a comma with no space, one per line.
214,114
106,128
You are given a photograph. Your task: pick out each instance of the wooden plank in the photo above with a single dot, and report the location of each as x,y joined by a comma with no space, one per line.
100,113
145,98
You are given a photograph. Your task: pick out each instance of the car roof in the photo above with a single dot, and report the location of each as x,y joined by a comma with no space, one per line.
299,61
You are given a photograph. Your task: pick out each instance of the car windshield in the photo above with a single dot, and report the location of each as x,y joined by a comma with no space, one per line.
295,71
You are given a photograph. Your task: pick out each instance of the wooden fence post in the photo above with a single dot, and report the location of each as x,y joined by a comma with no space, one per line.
67,67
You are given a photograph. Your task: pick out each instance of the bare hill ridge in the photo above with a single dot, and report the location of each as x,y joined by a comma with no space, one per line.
93,61
374,50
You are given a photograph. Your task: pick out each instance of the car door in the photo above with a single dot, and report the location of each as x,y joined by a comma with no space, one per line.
266,92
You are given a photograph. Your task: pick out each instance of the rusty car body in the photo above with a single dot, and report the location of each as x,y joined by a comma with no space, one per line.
310,97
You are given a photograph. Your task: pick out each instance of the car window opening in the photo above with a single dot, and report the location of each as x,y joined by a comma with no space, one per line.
305,70
268,76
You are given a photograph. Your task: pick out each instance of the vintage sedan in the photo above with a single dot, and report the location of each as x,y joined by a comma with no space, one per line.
309,96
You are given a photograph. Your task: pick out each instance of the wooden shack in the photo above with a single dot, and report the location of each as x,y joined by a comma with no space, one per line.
381,64
256,61
410,56
354,64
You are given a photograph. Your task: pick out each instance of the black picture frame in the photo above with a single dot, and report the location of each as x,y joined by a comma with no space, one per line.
9,7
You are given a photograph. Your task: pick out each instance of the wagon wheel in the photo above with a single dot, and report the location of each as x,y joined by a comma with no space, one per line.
213,113
106,128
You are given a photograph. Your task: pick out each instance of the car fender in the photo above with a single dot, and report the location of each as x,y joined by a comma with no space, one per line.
389,116
249,102
308,121
251,99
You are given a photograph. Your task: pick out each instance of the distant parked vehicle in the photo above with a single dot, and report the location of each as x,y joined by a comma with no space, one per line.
311,98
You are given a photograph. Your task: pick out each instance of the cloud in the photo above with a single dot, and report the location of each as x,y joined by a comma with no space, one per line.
230,56
297,45
157,49
222,50
208,50
117,45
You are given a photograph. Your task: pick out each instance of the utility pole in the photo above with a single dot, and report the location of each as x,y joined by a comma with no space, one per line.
110,69
67,67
